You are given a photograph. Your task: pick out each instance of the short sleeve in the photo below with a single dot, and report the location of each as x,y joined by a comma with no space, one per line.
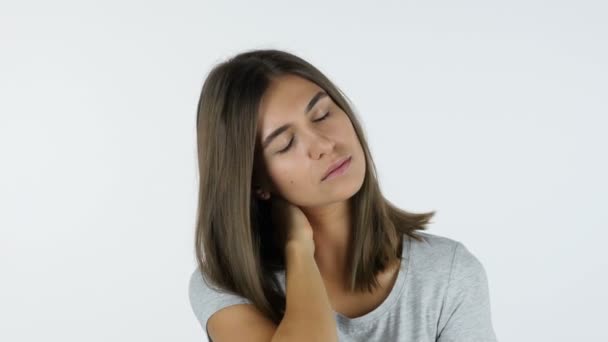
205,300
466,313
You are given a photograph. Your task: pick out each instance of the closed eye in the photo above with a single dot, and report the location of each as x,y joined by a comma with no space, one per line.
291,141
323,117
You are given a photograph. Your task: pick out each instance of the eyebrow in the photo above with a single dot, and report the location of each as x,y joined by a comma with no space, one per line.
321,94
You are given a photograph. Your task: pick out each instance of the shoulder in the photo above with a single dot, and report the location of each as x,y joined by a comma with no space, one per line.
447,258
434,248
446,270
206,299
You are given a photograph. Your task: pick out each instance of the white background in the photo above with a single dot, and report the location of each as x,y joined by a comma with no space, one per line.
492,113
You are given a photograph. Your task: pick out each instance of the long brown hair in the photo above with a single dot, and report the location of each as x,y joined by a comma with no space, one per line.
233,247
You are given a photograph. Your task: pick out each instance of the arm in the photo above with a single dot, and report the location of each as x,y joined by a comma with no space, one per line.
308,313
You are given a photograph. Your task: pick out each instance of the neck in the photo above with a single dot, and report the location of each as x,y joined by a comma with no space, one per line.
332,228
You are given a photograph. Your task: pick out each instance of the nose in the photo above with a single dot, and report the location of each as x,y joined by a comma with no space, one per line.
319,145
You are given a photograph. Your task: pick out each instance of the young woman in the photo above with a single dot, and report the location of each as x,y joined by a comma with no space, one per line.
295,241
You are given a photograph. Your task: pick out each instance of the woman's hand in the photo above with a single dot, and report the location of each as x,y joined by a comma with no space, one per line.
291,224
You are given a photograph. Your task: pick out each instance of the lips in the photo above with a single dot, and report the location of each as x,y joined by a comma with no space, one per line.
335,165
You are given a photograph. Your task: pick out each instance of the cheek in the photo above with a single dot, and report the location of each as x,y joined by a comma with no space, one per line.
290,181
343,128
285,173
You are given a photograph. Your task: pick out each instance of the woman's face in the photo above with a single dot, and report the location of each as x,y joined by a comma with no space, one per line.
296,159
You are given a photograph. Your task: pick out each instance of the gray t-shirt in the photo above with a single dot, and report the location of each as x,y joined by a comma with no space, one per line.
441,294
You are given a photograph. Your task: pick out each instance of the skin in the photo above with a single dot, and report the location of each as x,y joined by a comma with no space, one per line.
296,174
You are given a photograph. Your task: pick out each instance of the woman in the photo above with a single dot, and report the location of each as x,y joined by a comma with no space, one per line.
288,250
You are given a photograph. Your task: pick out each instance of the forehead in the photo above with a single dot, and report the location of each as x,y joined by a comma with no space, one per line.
286,96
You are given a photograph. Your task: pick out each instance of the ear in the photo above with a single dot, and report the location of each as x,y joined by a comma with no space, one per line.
262,186
262,190
262,194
